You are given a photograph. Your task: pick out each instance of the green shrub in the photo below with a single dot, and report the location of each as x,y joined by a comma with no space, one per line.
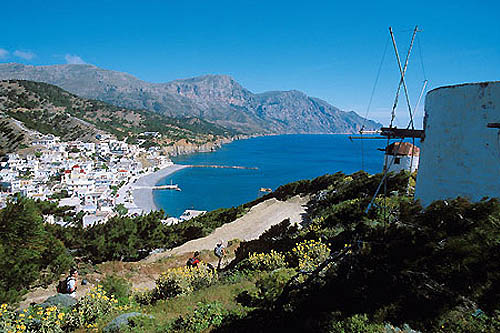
356,324
271,285
460,322
309,254
117,286
266,261
360,323
90,308
146,297
32,320
183,280
203,317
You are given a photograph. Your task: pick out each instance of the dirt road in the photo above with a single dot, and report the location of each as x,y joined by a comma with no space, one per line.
144,273
250,226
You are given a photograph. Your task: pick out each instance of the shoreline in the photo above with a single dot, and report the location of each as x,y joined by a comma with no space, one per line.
143,197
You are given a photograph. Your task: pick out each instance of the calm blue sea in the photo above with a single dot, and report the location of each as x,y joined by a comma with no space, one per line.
279,159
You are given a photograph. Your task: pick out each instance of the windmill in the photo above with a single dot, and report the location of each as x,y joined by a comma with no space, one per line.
392,132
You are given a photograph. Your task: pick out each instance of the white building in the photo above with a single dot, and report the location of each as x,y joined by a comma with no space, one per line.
48,141
401,156
461,151
77,181
190,213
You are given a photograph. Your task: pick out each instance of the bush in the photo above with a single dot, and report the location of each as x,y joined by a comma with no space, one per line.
89,308
51,319
356,324
173,282
460,322
146,297
204,316
266,261
308,254
183,280
270,286
117,286
33,320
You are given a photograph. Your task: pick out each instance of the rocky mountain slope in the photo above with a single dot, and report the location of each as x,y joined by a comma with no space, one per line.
215,98
28,108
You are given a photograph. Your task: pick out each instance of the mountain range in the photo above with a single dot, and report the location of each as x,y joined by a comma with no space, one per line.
218,99
29,108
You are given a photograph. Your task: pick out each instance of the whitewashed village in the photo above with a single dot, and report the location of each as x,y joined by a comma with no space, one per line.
94,178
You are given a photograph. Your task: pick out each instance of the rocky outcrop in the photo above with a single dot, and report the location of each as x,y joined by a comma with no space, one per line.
184,147
123,321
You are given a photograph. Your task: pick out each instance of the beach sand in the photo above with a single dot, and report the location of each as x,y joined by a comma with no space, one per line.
143,197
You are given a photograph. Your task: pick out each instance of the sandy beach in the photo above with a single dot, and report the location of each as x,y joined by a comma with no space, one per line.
143,197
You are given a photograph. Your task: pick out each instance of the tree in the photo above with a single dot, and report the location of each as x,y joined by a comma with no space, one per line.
27,249
121,210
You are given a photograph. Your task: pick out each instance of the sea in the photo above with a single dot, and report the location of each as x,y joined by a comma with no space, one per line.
279,160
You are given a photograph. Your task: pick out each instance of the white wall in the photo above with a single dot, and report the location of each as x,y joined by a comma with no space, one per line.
405,163
460,156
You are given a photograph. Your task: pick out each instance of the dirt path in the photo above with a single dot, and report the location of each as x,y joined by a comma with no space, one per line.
144,273
250,226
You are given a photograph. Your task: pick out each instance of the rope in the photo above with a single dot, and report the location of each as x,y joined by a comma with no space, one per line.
376,81
425,82
370,102
421,58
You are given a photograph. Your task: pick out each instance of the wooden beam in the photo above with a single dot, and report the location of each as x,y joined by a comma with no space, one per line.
493,125
394,132
367,137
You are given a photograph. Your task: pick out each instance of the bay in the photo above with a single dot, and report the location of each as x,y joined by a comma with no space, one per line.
280,160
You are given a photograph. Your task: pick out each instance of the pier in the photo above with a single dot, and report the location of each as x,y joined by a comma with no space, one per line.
223,167
167,187
158,187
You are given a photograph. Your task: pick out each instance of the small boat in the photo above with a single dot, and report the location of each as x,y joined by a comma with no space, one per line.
265,189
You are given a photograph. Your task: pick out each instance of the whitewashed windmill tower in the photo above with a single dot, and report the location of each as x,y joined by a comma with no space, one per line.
461,150
399,155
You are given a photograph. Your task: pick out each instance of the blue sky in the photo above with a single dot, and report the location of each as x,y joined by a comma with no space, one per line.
327,49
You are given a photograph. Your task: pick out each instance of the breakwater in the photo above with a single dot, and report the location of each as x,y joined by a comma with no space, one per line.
223,167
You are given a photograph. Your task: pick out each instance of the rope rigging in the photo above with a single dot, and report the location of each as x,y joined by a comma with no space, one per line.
371,100
410,127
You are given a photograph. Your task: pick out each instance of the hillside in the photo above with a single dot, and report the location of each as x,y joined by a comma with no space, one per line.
397,268
45,108
215,98
13,134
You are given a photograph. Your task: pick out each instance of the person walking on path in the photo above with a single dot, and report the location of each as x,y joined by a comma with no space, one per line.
194,260
219,252
71,282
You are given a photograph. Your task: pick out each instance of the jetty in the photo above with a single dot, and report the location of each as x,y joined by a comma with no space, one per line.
158,187
223,167
167,187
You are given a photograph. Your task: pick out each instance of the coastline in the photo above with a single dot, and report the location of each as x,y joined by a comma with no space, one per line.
143,197
143,200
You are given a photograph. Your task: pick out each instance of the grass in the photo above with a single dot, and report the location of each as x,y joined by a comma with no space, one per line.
166,311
